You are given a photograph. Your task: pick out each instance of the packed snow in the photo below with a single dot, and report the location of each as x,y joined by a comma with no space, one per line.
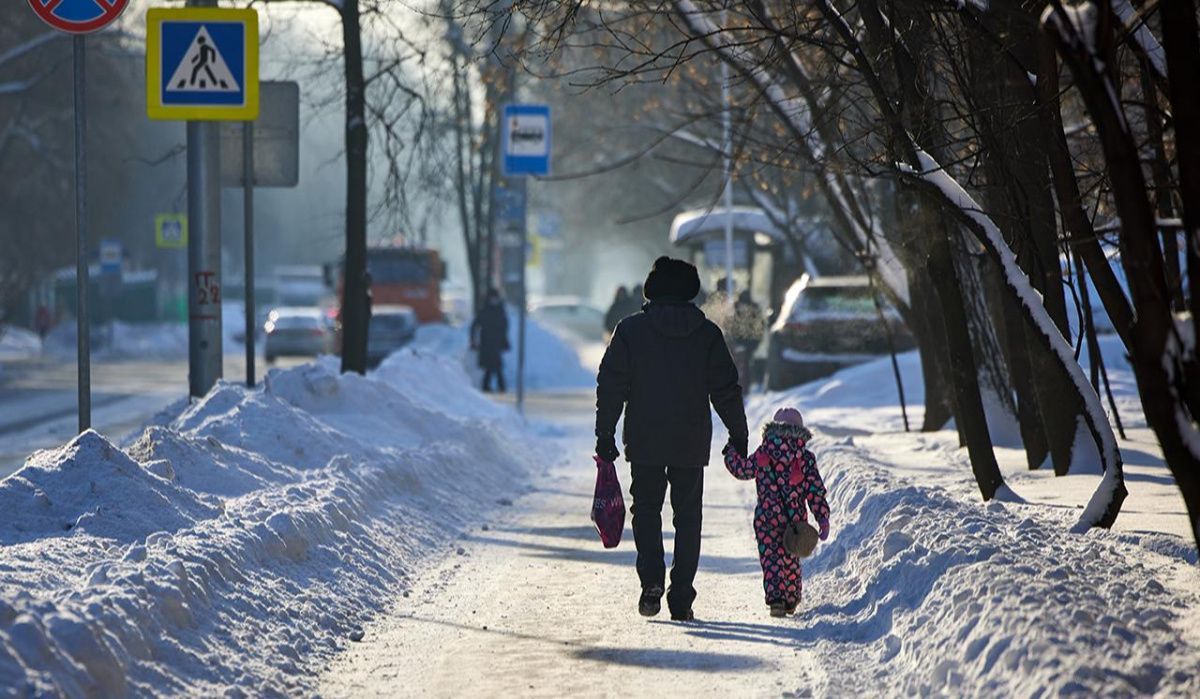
239,542
921,590
551,360
17,344
341,534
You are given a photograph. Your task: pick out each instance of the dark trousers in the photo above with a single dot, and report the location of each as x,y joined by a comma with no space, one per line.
649,489
487,379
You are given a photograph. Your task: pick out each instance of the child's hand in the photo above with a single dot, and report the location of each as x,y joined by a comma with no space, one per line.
822,529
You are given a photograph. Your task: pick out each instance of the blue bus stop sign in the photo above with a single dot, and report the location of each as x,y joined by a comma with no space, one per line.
525,139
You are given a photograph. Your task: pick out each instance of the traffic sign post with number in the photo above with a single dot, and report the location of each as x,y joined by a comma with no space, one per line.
202,64
202,67
80,17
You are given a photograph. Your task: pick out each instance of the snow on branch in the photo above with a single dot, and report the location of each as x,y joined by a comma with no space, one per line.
932,173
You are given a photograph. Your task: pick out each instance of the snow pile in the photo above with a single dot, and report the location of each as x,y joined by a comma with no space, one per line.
247,539
551,362
18,343
927,594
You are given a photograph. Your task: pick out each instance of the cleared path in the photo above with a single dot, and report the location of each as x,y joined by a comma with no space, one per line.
534,606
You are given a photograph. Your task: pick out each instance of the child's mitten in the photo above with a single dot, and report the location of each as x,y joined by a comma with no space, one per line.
822,529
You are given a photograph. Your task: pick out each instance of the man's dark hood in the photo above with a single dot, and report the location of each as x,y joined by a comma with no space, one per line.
674,317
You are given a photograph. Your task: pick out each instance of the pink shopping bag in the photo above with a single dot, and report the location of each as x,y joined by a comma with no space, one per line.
608,505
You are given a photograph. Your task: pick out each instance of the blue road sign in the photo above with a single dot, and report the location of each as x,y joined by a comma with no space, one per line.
111,253
525,139
202,63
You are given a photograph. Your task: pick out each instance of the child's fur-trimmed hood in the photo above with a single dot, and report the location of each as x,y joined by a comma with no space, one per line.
786,430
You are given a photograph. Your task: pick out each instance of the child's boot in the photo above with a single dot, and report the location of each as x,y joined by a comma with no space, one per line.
779,609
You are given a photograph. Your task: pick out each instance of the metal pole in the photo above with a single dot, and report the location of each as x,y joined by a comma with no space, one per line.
204,251
248,213
524,304
82,278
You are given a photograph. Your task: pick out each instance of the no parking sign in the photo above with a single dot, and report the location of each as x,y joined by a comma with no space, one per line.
78,16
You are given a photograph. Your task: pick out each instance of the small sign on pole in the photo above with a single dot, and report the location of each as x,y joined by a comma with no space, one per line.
170,231
111,253
525,139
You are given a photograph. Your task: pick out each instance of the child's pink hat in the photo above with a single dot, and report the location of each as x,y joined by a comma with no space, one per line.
790,416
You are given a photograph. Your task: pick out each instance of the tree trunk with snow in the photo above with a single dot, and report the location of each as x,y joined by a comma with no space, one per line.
968,401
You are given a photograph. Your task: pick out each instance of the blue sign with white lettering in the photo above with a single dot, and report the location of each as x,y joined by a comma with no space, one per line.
525,139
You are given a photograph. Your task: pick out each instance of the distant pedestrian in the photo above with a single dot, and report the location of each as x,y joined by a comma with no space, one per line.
489,336
746,334
787,480
662,367
42,321
617,310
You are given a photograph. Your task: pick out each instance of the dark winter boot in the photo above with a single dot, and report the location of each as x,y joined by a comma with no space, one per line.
651,601
683,616
791,608
779,609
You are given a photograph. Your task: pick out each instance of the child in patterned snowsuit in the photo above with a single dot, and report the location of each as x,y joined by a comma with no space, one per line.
787,478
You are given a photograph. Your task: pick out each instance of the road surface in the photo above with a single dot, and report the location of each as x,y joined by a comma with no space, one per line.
38,408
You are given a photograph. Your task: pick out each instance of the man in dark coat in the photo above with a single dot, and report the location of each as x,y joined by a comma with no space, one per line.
489,335
663,367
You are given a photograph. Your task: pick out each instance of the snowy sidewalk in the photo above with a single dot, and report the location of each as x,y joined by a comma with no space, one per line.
919,591
534,606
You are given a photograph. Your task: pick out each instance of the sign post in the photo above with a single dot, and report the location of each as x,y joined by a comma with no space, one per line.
525,142
262,153
80,17
202,67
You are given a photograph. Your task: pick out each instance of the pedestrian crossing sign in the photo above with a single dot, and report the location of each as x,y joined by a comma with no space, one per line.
202,64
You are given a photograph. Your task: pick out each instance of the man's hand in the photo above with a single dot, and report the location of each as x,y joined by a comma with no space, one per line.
606,447
740,444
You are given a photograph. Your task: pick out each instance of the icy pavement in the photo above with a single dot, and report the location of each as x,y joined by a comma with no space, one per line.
920,590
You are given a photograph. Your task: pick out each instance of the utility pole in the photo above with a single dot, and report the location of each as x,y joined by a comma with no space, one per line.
205,354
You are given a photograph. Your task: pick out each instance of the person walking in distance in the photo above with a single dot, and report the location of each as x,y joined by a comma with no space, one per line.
662,368
489,336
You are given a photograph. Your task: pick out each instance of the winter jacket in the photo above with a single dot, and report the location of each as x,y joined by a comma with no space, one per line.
785,472
489,333
663,367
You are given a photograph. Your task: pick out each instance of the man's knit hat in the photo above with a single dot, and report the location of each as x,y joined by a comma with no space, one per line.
671,278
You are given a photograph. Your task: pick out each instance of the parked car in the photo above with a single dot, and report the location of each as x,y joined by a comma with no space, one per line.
392,327
571,315
827,324
297,332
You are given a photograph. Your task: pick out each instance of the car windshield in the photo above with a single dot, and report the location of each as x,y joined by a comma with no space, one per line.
389,323
837,299
297,321
398,268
